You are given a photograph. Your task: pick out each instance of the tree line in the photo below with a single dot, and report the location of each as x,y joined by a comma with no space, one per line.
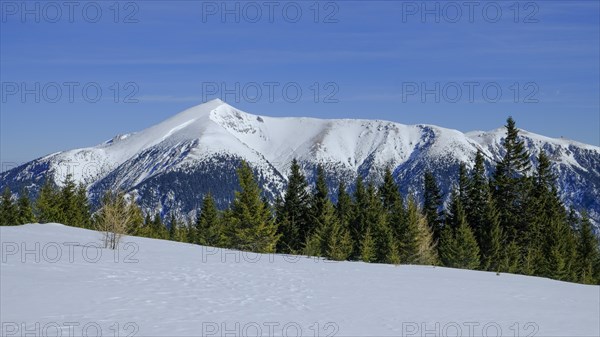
511,222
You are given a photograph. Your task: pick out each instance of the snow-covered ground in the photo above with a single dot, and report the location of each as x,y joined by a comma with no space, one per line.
162,288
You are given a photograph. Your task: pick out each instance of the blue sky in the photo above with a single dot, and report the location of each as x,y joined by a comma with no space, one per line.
367,59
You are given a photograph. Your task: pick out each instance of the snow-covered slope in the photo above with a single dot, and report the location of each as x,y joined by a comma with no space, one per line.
162,288
172,164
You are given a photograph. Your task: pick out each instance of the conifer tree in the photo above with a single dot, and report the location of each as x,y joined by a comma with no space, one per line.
511,260
294,214
588,253
456,213
208,225
8,210
458,247
386,250
46,205
389,191
158,229
492,241
344,207
550,241
24,209
417,245
358,224
464,184
432,204
136,223
81,205
339,245
409,236
252,224
478,199
392,203
173,226
367,247
320,196
67,212
511,183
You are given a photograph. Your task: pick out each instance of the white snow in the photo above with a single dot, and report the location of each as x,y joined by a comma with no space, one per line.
162,288
218,128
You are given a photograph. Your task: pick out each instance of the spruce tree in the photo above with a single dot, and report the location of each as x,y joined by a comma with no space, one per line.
458,247
208,225
392,203
389,191
67,212
417,245
386,250
367,247
550,240
251,221
81,208
511,184
320,196
173,226
492,240
24,209
588,253
358,224
432,203
294,214
136,224
344,207
8,210
339,245
46,205
478,199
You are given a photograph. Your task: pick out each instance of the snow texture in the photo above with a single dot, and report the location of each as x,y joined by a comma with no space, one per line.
162,288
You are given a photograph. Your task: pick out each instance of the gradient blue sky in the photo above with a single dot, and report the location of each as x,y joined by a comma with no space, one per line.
369,53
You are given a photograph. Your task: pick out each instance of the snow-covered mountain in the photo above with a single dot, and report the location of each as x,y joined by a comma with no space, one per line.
163,288
173,164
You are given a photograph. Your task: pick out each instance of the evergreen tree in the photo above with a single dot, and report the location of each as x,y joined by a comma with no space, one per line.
550,241
331,238
252,224
81,208
511,260
344,207
25,211
208,225
320,196
456,213
389,191
136,224
367,247
417,245
588,253
294,214
46,205
173,226
67,212
478,199
464,184
8,210
358,224
458,247
432,204
386,250
492,241
392,204
511,183
158,229
339,245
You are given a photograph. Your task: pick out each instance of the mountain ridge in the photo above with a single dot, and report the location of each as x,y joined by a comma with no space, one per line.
215,136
